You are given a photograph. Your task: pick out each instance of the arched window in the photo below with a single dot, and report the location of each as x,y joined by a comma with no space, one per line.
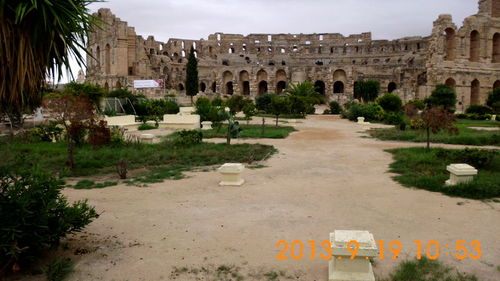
180,87
474,92
391,87
108,59
106,86
495,57
229,88
496,84
262,87
118,85
450,82
338,87
320,87
98,57
203,87
450,44
474,46
214,87
246,88
280,87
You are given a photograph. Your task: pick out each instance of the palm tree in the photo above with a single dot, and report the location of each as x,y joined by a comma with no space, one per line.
37,39
305,90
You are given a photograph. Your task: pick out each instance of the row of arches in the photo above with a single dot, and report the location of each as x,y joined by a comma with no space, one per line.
474,46
475,89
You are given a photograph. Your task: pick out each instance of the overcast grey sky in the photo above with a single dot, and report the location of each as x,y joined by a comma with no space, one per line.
196,19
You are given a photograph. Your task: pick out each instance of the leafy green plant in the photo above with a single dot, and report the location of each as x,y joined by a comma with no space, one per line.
390,102
59,269
478,109
493,100
436,120
192,81
89,184
35,215
394,118
47,133
335,107
442,96
263,102
371,112
188,137
145,127
367,90
249,110
279,105
418,103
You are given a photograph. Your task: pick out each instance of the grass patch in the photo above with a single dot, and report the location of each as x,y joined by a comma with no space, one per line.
59,269
89,184
146,126
90,161
424,169
230,273
467,135
252,132
427,270
258,166
158,174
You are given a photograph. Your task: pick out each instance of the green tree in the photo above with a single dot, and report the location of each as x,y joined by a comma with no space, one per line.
494,100
390,102
38,38
437,119
192,75
367,90
443,96
249,110
306,91
279,105
235,104
94,92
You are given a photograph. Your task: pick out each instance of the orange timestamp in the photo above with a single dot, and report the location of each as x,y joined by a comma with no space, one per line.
432,249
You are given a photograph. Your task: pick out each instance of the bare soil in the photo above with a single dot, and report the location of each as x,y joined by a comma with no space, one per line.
325,177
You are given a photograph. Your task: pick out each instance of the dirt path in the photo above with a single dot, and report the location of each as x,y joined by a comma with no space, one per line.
325,177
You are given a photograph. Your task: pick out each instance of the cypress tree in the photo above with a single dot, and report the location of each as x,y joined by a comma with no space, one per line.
192,75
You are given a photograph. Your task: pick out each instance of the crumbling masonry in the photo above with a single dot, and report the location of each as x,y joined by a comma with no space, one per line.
466,58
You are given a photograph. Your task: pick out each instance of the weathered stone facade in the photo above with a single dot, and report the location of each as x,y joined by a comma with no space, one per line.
466,58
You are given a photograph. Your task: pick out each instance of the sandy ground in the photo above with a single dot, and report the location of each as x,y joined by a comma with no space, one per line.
325,177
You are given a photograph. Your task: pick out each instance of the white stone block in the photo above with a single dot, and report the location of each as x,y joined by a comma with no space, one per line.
361,120
231,174
341,267
187,110
292,121
460,173
147,138
206,125
493,117
173,121
124,121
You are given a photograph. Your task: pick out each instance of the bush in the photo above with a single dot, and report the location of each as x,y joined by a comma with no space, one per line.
368,90
419,104
478,158
59,269
35,215
46,133
263,102
443,96
478,109
218,102
371,112
335,107
188,138
236,104
99,134
494,100
145,127
390,102
393,118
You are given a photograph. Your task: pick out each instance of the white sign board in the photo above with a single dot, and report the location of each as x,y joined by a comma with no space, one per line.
141,84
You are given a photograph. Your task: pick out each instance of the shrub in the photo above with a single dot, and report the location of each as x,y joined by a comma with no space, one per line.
478,158
327,112
59,269
443,96
99,134
46,133
417,124
371,112
297,105
35,215
335,107
145,127
394,118
418,103
390,102
236,104
494,100
263,102
367,90
478,109
218,102
188,138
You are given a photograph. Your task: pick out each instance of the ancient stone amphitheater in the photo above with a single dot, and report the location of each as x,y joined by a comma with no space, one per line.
466,58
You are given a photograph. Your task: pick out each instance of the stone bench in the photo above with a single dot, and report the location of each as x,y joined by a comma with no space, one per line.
125,121
460,173
231,174
146,138
181,122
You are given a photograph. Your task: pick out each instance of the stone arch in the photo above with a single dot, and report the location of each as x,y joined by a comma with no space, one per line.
496,84
108,59
245,83
180,87
214,87
263,88
474,92
339,75
118,85
475,45
392,87
280,87
229,90
98,57
261,75
338,87
450,44
227,78
165,70
320,87
106,86
450,82
281,75
203,87
495,56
